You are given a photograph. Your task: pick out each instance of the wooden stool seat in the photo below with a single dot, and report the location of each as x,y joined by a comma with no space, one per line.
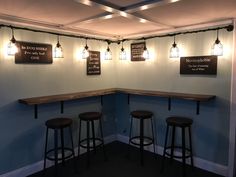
58,123
88,116
179,121
140,114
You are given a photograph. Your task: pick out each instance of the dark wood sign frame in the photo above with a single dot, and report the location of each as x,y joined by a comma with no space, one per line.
199,65
33,53
94,63
137,51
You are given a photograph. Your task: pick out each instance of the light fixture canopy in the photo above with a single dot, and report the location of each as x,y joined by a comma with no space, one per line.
174,50
145,52
58,51
122,52
217,48
108,53
12,48
85,53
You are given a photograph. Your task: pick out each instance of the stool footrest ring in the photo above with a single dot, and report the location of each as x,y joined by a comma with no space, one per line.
178,156
148,141
60,158
91,139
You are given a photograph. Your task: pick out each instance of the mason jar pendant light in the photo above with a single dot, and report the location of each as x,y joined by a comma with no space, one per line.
174,50
58,51
85,53
217,48
122,52
11,47
108,54
145,52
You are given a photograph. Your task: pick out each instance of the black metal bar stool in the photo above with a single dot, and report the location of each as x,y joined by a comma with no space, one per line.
181,122
59,124
141,140
90,118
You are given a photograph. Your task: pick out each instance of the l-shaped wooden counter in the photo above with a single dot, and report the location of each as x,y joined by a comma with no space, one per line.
35,101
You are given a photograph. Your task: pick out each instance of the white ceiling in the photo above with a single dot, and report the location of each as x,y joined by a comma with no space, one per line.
113,18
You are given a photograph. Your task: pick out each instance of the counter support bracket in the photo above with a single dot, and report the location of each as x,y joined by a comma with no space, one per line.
128,98
101,100
198,107
35,111
169,103
62,107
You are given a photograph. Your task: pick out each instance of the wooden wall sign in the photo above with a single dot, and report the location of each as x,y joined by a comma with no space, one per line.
206,65
33,52
94,63
137,51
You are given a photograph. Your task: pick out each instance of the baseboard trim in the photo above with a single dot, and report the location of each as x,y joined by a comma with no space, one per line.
198,162
38,166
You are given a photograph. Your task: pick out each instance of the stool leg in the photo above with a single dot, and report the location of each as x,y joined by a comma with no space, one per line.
93,132
103,146
141,140
79,137
183,151
62,147
153,138
72,146
45,150
190,144
172,144
164,151
88,146
130,134
56,151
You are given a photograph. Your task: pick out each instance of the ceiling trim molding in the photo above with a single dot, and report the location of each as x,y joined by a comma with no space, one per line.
182,28
108,7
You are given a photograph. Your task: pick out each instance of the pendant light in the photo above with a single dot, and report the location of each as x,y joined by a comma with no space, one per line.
58,51
122,52
217,48
174,50
85,53
11,47
108,54
145,52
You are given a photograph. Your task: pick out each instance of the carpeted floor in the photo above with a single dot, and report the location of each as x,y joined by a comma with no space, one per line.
118,165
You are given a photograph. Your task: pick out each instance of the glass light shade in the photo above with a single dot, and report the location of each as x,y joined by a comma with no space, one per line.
174,51
108,54
145,54
85,53
11,47
217,49
122,54
58,51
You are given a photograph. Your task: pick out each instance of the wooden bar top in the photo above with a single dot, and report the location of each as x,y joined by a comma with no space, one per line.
186,96
78,95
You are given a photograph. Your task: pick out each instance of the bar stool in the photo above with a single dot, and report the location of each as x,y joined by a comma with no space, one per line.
59,124
181,122
141,115
90,118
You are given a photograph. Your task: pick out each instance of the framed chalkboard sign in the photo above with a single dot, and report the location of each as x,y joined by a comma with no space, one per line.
137,51
94,63
202,65
33,52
